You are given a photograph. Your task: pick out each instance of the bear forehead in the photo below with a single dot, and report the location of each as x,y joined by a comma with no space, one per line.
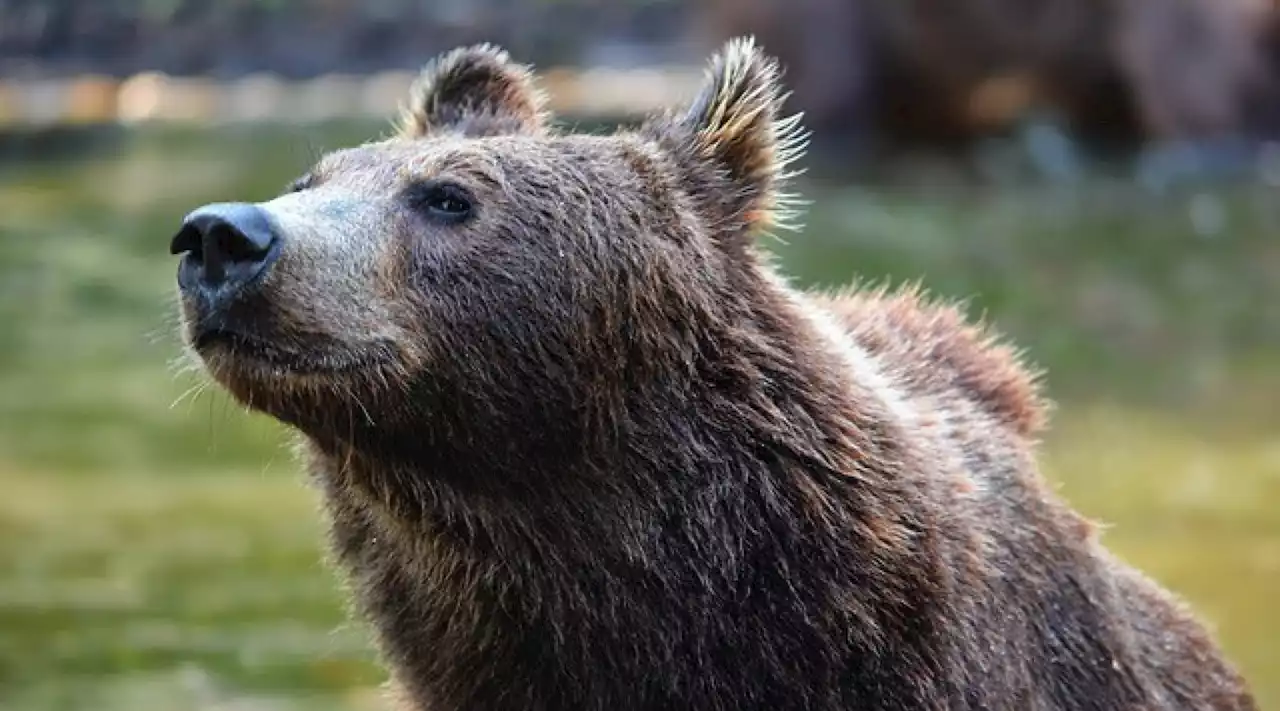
489,159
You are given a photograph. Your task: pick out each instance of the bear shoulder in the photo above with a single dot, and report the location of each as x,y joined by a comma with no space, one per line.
932,346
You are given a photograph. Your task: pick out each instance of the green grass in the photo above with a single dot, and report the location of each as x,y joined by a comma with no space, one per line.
168,556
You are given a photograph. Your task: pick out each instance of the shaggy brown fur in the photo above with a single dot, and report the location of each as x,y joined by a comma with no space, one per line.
910,71
582,448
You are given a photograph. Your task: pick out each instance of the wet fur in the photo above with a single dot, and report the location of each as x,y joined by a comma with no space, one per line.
606,458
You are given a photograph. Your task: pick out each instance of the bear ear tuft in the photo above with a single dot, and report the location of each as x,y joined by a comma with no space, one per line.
735,125
475,91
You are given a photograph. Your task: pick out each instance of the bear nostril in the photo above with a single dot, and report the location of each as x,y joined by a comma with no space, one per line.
187,241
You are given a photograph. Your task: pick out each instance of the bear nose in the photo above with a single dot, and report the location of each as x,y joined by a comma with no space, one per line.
227,245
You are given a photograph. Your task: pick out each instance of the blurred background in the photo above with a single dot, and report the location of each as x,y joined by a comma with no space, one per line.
1096,177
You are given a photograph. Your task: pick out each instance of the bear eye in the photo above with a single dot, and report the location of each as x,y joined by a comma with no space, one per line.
443,202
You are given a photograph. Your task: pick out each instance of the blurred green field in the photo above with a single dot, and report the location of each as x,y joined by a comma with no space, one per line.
159,551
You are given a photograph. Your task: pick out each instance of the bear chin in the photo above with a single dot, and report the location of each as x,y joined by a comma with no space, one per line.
240,350
287,384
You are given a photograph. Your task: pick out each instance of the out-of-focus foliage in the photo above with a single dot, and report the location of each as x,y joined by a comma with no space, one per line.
309,37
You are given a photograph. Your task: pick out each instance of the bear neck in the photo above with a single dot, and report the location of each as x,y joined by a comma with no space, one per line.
543,552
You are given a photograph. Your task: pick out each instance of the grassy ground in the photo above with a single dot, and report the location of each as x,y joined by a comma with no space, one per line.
167,556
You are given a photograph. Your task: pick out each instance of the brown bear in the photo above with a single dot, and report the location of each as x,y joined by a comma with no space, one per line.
581,446
1117,72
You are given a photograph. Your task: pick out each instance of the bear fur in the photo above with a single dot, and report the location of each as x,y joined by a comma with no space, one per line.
1116,72
581,446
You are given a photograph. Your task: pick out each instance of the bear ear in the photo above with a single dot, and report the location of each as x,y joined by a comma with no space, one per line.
475,91
733,129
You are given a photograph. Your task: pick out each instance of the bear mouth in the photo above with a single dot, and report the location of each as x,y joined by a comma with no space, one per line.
242,348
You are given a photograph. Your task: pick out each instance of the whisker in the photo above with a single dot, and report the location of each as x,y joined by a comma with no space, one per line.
191,393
